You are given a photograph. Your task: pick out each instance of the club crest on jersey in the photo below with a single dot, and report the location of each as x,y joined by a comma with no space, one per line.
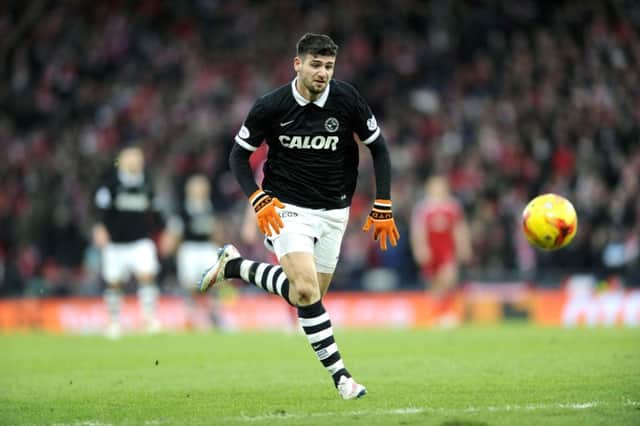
332,124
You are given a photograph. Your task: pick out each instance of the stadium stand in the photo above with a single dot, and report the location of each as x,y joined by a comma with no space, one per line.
509,99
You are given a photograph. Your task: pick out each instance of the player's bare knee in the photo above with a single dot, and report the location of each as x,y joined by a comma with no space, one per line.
304,293
306,296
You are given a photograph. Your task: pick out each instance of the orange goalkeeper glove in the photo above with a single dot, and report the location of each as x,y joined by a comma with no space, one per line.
383,224
265,208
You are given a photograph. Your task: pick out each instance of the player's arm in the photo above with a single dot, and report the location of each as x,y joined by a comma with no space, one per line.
248,139
419,246
381,215
248,231
100,235
218,234
102,204
462,238
158,208
171,236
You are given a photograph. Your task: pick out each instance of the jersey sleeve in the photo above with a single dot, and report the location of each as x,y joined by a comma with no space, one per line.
103,200
175,225
365,123
456,212
253,130
157,206
418,215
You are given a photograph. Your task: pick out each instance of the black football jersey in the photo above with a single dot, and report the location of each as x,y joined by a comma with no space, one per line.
313,155
127,211
197,221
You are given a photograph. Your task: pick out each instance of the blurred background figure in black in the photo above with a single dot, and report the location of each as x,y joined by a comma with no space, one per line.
194,235
123,230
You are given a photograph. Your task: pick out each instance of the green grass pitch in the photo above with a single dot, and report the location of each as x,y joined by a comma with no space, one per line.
508,375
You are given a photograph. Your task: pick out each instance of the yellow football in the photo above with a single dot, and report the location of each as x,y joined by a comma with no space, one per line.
549,222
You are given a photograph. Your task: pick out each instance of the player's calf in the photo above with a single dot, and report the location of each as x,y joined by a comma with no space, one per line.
230,264
316,324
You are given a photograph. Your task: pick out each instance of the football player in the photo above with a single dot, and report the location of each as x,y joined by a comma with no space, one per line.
309,180
440,241
125,215
192,232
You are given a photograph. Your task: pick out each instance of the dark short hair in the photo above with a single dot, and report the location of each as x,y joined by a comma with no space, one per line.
316,44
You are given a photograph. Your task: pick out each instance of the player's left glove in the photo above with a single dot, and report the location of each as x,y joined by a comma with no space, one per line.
266,214
384,226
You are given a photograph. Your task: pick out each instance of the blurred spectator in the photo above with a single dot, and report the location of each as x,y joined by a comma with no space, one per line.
194,236
124,225
441,243
509,99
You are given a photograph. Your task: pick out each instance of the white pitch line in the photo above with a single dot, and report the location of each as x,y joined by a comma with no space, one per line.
395,411
417,410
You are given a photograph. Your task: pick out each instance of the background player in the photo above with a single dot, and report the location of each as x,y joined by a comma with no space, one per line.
440,241
124,225
194,232
309,179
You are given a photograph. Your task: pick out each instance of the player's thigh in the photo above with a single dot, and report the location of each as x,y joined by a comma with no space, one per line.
143,260
114,264
446,276
294,247
295,253
300,268
327,249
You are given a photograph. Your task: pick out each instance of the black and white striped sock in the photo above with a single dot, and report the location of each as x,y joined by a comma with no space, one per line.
317,326
264,275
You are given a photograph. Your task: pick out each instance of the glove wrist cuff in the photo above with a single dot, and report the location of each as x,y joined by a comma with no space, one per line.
259,200
381,203
381,210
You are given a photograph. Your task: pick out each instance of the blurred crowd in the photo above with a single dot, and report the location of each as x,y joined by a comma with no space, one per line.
509,99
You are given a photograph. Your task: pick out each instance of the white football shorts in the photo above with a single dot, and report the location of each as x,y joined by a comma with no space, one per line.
119,260
315,231
192,259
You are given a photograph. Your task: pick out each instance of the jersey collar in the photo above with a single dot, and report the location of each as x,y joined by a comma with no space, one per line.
129,179
302,101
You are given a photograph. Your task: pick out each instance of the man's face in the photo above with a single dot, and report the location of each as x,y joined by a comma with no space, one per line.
437,187
131,161
198,188
315,71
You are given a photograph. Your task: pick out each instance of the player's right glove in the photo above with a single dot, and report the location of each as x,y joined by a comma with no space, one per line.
266,214
384,226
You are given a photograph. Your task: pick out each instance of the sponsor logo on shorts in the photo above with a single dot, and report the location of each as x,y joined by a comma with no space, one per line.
285,213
